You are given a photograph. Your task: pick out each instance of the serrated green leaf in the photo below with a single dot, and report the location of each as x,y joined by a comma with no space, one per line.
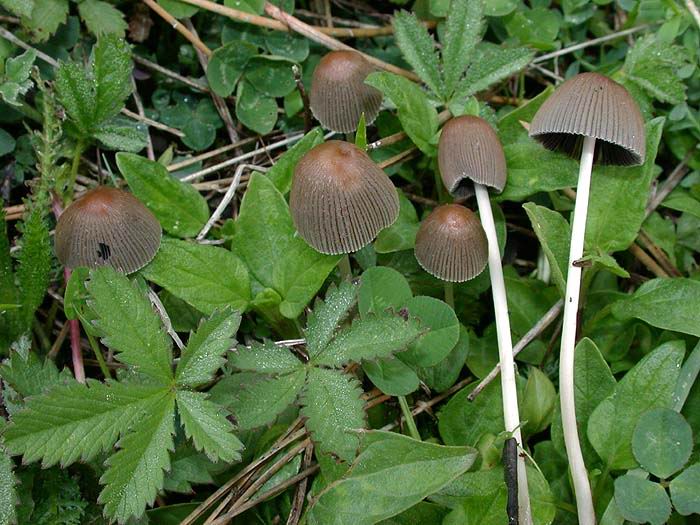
75,93
334,411
206,425
463,31
281,172
179,208
257,399
17,69
204,353
78,421
121,134
102,18
45,18
227,64
188,467
135,474
8,492
21,8
206,277
129,325
418,48
492,65
373,337
267,358
111,65
323,322
417,116
30,376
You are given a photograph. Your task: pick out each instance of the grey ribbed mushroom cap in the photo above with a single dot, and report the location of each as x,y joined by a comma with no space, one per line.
451,244
340,199
469,151
107,227
592,105
339,94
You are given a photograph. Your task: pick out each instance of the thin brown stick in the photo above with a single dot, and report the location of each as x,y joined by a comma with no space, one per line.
152,123
657,253
209,154
194,84
139,108
308,121
177,26
404,155
300,492
647,261
673,179
56,346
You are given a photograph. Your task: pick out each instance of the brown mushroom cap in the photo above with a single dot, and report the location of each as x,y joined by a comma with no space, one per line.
339,94
469,151
107,227
592,105
340,199
451,244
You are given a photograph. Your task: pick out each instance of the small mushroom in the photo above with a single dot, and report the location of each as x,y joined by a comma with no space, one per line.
339,94
595,117
471,158
107,227
451,244
340,199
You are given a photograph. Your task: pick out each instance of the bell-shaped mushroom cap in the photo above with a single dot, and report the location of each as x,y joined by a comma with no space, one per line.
451,244
469,151
340,199
592,105
107,227
339,94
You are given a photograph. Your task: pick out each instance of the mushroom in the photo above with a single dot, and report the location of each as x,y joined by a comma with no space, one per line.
339,95
470,158
107,227
585,108
451,245
340,199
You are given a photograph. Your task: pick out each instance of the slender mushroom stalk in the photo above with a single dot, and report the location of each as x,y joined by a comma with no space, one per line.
586,108
469,152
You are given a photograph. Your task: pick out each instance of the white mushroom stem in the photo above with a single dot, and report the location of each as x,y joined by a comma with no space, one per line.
505,347
579,475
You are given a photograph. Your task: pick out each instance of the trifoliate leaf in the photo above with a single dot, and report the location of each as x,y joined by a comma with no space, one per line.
204,353
129,325
77,421
327,315
334,411
372,337
134,475
206,424
267,358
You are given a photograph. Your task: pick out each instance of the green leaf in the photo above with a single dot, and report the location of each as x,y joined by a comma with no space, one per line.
129,325
134,475
443,375
684,491
7,143
682,200
662,442
111,65
463,30
8,493
180,208
402,234
641,500
462,422
373,337
120,134
282,171
179,9
226,66
270,75
382,288
45,18
288,45
441,337
334,411
206,277
392,474
78,421
361,133
418,48
266,240
392,376
102,18
492,65
18,69
204,353
618,199
255,110
267,358
206,425
30,376
188,467
327,315
650,384
538,402
21,8
671,304
256,400
417,116
538,27
553,232
75,92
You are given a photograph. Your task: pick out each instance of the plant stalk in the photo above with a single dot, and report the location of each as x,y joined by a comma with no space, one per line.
345,269
450,294
410,423
582,488
505,347
98,355
79,147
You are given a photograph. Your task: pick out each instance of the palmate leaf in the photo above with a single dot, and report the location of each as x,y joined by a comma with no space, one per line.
206,424
418,48
129,325
203,355
267,358
463,31
491,65
334,411
327,315
76,421
135,474
372,337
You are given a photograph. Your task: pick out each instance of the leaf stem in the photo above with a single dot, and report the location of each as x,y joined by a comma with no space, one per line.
345,269
98,355
410,423
75,164
450,294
